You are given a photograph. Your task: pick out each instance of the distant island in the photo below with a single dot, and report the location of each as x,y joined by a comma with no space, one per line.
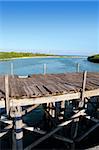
94,58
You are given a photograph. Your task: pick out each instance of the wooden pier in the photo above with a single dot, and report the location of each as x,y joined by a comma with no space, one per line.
64,97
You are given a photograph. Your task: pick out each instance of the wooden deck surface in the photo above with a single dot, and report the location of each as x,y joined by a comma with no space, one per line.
50,84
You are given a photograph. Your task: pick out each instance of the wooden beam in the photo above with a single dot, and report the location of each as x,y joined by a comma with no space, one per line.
61,138
5,130
93,148
37,130
45,137
92,119
50,133
48,99
29,109
87,133
79,113
7,103
24,112
3,133
76,129
5,120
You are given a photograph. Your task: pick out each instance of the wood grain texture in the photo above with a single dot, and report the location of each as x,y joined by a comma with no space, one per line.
47,85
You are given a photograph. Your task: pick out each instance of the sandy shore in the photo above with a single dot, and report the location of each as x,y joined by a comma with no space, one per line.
43,57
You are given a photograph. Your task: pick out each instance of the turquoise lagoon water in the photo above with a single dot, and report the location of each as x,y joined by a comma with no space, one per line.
54,65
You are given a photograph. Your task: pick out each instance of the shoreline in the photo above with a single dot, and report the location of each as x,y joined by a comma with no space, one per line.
8,59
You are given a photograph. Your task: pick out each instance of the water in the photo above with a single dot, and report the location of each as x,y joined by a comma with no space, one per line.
54,65
35,66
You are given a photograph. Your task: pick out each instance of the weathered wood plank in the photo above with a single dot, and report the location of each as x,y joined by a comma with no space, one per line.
47,99
49,84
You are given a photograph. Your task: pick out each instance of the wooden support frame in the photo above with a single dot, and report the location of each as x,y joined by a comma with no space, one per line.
24,126
87,133
5,120
61,138
52,132
10,122
38,130
5,130
76,128
24,112
29,109
48,99
46,136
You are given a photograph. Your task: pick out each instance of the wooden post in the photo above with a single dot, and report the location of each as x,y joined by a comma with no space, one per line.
50,109
57,109
13,139
18,129
81,103
68,109
63,108
77,67
53,111
73,146
47,105
74,129
7,102
45,68
12,69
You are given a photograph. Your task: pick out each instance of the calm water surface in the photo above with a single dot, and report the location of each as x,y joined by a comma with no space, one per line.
35,66
54,65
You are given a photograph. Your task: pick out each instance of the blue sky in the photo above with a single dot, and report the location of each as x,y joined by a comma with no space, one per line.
59,27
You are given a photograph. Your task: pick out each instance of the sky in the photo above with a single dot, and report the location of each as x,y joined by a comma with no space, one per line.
57,27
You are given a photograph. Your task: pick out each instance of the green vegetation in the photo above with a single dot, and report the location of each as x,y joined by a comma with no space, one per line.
10,55
94,58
